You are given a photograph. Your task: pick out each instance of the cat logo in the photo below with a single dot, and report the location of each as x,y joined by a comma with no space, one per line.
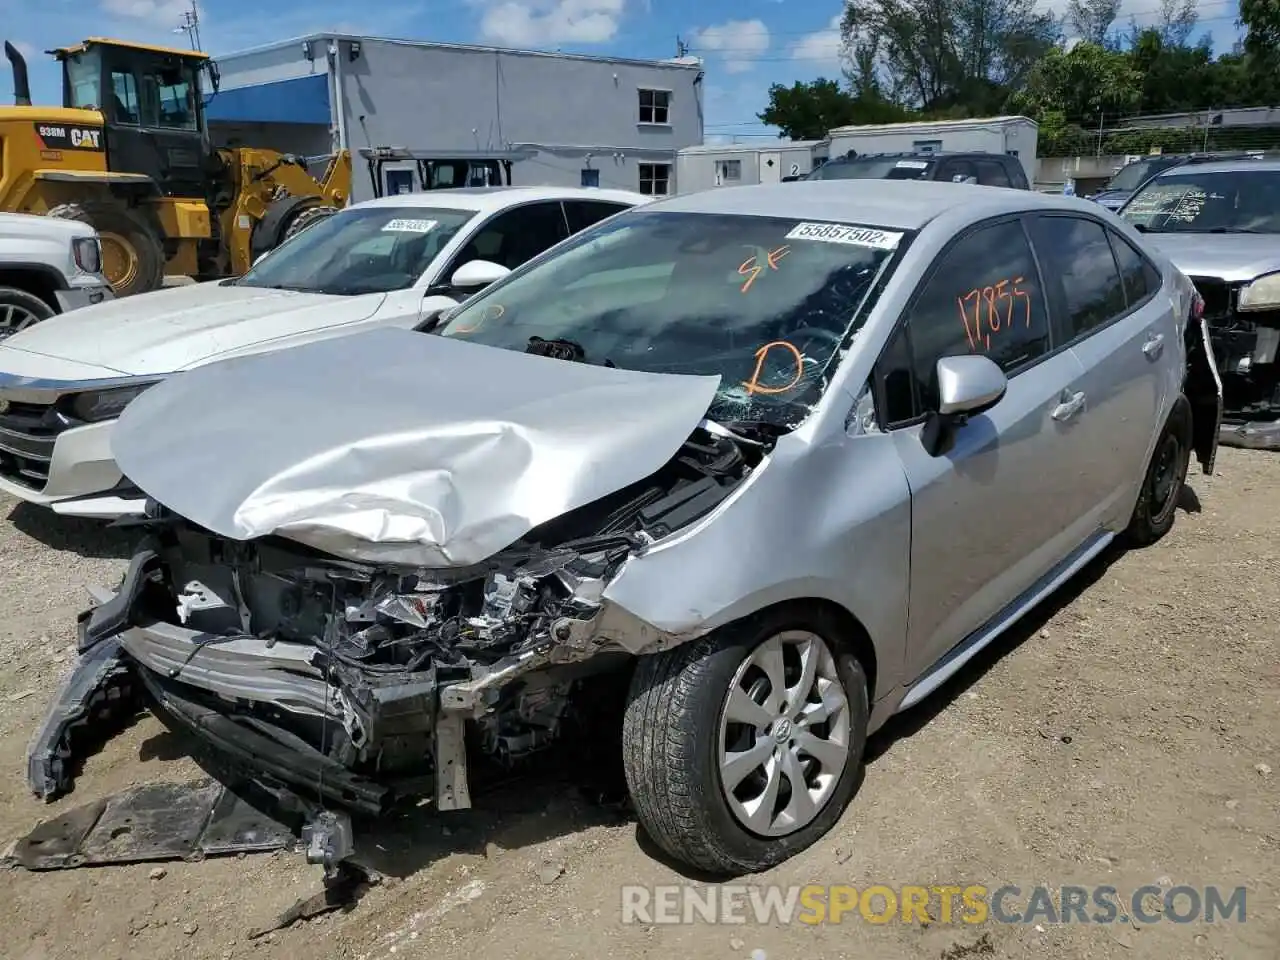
57,137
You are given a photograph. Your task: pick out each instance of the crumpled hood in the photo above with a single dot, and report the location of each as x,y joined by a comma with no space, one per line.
400,447
1233,257
168,330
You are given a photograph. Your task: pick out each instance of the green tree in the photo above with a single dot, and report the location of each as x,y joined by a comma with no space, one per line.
1081,84
1092,20
950,54
1261,20
807,111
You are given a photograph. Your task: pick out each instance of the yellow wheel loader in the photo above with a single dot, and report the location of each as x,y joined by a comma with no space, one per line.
129,153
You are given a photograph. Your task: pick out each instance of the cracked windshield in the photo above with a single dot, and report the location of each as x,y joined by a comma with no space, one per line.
1245,201
764,303
364,250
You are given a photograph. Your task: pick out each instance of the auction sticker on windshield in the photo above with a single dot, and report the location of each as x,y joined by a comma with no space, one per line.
410,226
912,164
843,233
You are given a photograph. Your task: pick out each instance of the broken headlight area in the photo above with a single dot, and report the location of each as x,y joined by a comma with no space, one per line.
1246,344
359,682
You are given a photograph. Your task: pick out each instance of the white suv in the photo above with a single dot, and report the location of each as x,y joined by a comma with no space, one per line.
395,261
47,266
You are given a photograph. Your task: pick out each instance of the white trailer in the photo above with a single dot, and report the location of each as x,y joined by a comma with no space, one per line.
1015,136
738,164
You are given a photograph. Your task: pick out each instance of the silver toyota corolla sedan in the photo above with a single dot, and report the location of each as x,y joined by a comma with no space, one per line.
781,458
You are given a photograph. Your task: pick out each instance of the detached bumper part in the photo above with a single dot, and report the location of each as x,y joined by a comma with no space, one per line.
99,688
1254,435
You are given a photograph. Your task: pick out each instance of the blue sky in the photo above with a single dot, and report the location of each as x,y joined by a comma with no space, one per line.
747,44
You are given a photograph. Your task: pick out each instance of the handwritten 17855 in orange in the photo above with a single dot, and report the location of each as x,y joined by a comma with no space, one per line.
752,268
988,310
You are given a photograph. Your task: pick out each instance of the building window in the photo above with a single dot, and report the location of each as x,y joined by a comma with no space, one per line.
927,146
590,178
655,106
655,179
732,170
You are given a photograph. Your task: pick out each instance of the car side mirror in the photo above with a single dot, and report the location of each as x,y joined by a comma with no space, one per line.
967,386
477,273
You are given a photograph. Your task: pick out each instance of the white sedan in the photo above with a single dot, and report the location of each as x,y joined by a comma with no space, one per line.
395,261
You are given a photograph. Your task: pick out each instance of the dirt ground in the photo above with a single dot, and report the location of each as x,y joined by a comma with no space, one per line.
1130,735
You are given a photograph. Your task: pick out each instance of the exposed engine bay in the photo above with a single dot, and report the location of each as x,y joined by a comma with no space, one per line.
1247,348
358,683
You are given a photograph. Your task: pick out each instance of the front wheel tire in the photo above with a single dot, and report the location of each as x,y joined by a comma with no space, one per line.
743,748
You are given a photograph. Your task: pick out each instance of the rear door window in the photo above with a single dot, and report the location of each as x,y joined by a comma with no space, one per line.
1078,263
1138,274
583,213
957,170
992,173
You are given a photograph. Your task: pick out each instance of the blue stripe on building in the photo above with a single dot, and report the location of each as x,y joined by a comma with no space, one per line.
302,100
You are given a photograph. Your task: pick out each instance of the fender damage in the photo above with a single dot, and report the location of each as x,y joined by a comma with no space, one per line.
352,605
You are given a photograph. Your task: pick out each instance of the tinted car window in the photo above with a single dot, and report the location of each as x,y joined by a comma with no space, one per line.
956,170
992,173
583,213
983,297
1140,277
873,168
517,236
1075,253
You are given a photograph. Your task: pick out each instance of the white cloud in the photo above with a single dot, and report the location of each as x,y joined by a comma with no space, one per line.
537,23
159,12
821,48
739,42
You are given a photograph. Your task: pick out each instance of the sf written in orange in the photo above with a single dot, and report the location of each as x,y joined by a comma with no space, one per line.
752,268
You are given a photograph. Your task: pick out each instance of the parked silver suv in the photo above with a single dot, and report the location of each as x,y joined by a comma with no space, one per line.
782,458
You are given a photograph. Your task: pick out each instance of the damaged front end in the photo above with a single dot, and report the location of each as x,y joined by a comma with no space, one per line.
1244,324
357,683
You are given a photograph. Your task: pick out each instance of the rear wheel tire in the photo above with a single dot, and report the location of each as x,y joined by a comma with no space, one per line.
744,747
20,310
1157,505
132,254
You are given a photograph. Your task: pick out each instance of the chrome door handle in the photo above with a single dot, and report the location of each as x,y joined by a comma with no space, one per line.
1069,404
1154,346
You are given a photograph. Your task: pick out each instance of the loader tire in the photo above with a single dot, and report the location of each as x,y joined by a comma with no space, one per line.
132,254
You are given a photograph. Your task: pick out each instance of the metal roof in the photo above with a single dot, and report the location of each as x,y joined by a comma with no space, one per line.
677,63
108,42
488,199
936,125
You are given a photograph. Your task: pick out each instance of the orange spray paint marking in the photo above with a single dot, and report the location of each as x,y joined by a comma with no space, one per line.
753,385
751,267
488,313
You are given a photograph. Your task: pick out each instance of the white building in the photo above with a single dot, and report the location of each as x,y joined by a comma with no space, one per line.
1015,136
737,164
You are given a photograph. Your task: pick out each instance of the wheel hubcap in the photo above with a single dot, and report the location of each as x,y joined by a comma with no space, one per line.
1166,475
784,734
119,260
14,318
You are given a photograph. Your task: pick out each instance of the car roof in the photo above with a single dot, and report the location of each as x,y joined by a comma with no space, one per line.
1225,166
488,199
919,154
897,204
